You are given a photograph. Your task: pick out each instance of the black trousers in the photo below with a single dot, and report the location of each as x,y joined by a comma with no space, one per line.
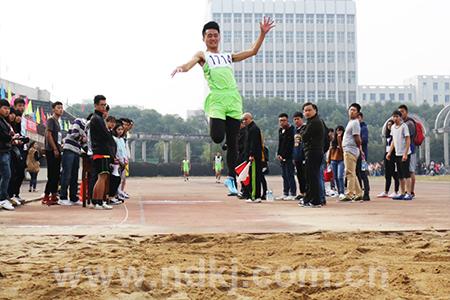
229,129
300,168
257,179
362,177
264,185
389,173
114,183
312,174
18,166
53,172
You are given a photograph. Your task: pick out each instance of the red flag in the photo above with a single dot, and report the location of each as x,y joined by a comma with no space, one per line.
44,118
243,172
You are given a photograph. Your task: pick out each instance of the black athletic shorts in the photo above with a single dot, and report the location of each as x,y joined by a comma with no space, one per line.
101,164
403,167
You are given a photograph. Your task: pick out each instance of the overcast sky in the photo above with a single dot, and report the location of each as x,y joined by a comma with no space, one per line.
126,50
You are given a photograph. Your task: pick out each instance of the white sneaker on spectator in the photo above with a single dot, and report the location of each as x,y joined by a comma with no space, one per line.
382,195
98,206
281,197
64,202
106,206
128,196
115,201
393,194
77,203
289,198
253,201
15,201
5,204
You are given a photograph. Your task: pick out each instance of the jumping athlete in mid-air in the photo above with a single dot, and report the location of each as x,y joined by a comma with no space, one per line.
224,103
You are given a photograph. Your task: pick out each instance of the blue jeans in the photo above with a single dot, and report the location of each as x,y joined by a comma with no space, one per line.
338,174
287,172
69,175
33,180
5,174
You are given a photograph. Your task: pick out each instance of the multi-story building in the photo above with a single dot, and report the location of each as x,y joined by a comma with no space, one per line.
369,94
310,55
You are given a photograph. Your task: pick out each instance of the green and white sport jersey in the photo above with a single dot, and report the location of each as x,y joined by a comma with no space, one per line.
224,99
218,162
185,165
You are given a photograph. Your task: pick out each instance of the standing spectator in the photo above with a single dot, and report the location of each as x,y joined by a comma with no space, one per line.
351,145
6,134
389,166
265,171
255,150
284,155
101,140
299,154
75,140
313,135
53,140
400,150
336,159
363,179
120,160
33,165
127,126
413,158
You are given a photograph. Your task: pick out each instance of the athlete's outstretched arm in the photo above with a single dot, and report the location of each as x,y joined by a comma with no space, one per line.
198,58
266,25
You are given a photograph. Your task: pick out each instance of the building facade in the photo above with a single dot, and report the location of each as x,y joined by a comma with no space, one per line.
310,55
371,94
23,90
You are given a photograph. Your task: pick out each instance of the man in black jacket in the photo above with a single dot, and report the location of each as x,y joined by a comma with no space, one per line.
254,150
313,139
101,141
6,135
284,155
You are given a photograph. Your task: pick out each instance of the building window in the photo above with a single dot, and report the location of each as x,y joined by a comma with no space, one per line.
309,19
238,76
269,57
330,57
310,57
237,36
227,18
447,86
350,37
351,77
280,76
320,57
340,19
289,37
331,77
311,96
299,18
259,58
351,57
248,18
269,76
300,77
290,76
279,56
300,36
237,18
279,18
216,17
373,97
435,86
289,18
350,19
330,37
259,76
341,57
279,36
310,77
320,18
447,99
342,96
290,57
290,95
320,37
269,94
364,96
382,97
332,95
300,57
301,96
248,36
340,37
341,76
249,61
259,94
409,97
330,19
352,96
310,37
249,76
321,95
435,98
259,17
321,77
269,38
227,36
391,97
280,94
401,97
248,94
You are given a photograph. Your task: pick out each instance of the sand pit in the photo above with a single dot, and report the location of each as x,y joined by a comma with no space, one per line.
398,265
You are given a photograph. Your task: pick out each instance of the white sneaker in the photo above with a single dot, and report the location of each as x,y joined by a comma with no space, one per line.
253,201
382,195
393,194
115,201
128,196
98,206
342,197
5,204
289,198
77,203
64,202
106,206
15,201
281,197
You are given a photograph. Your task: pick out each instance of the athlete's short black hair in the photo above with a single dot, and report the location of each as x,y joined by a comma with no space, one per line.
312,104
210,25
283,115
55,104
298,114
99,98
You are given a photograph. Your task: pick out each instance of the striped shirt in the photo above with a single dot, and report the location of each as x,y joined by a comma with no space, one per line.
73,141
